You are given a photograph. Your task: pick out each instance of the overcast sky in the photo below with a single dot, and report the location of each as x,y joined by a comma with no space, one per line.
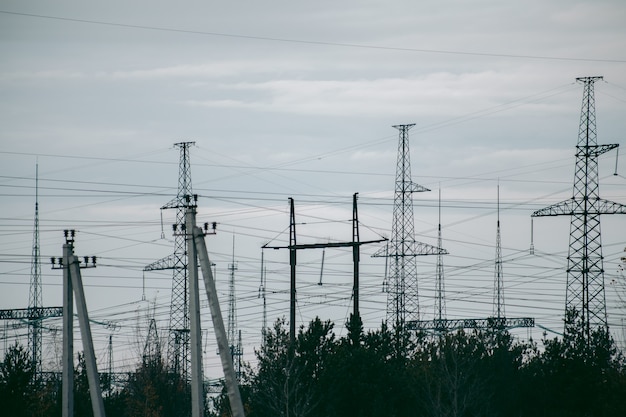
293,99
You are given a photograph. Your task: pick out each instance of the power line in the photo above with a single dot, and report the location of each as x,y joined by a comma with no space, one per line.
312,42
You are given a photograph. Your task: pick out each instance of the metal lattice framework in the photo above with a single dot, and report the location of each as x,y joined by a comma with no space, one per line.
585,270
234,340
35,298
498,281
440,300
402,290
178,354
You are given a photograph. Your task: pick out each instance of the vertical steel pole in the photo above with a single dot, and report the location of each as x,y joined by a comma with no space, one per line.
67,390
197,389
93,378
356,254
218,324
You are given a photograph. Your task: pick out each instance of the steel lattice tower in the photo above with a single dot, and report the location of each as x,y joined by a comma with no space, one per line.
440,300
498,281
178,353
234,342
585,270
35,298
402,295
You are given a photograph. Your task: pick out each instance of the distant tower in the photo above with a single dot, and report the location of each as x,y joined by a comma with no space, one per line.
402,296
152,347
440,300
35,299
234,340
498,282
585,269
178,353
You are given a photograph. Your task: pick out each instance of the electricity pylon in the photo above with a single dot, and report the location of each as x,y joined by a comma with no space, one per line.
498,281
402,295
585,269
34,299
178,337
234,342
440,299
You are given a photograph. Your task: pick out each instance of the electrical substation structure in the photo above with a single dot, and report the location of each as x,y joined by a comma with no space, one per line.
585,270
178,337
402,249
35,313
498,321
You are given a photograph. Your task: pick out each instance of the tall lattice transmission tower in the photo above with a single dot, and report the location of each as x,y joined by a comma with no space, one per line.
178,353
585,269
440,299
234,338
498,281
35,297
402,249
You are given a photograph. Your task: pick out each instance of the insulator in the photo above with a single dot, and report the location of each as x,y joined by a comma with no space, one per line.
214,225
73,232
66,232
174,227
52,260
93,260
86,258
206,226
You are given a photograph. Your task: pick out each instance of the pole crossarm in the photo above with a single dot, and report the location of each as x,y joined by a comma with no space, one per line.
446,325
325,245
573,206
412,249
412,187
594,150
169,262
32,313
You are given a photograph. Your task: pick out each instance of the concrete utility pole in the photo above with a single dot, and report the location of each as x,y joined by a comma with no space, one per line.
230,377
585,266
197,389
73,286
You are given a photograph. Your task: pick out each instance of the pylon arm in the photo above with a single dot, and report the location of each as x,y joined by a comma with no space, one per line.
413,188
32,313
218,324
413,248
594,150
169,262
456,324
571,207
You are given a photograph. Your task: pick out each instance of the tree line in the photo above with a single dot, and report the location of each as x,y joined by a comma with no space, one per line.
385,372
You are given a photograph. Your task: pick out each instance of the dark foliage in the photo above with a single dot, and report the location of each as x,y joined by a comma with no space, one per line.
387,372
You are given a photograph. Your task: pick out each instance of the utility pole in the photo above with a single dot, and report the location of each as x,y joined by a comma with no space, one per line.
178,337
402,292
73,287
230,377
585,269
294,247
262,289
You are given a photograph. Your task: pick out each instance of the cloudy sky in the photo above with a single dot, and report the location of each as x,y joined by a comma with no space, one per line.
293,99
